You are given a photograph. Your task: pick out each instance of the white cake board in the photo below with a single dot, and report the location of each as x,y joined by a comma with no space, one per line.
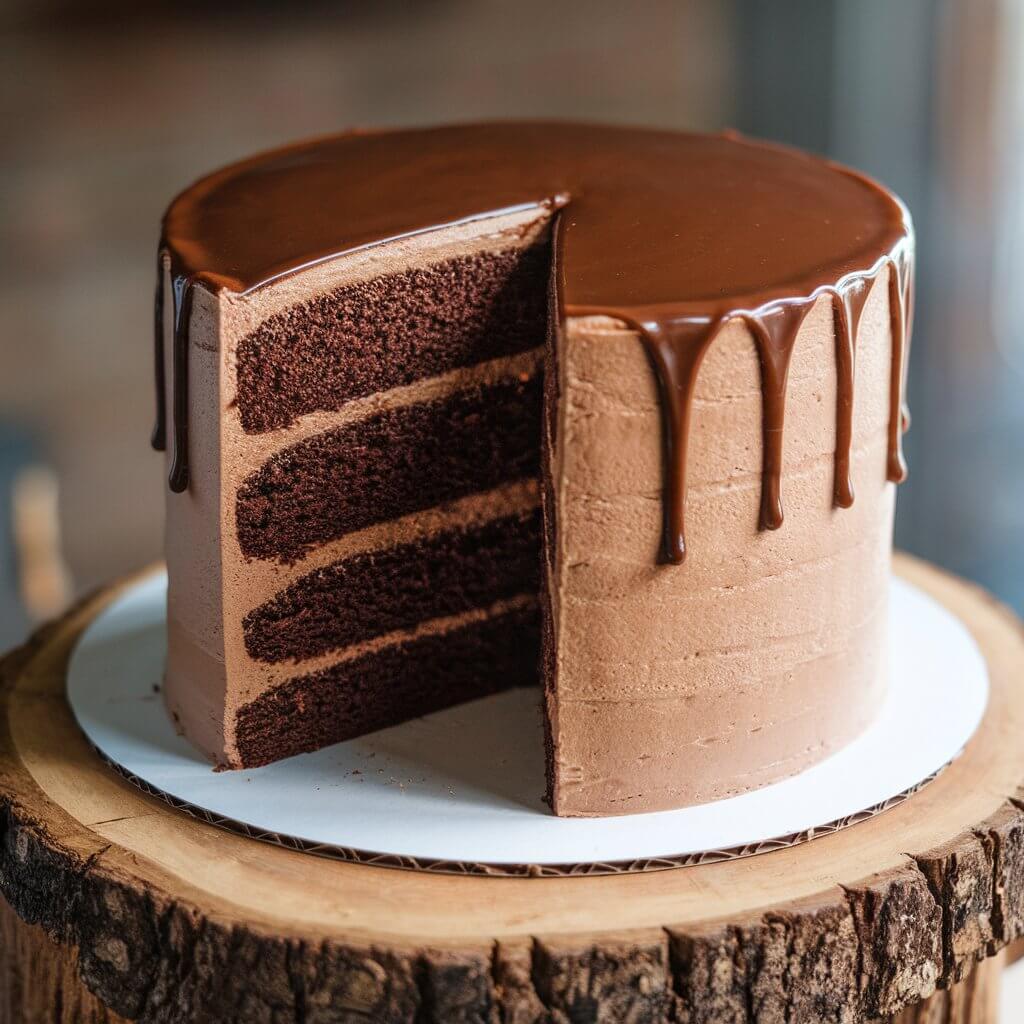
461,790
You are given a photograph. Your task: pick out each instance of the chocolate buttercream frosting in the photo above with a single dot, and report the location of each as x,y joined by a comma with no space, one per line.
674,234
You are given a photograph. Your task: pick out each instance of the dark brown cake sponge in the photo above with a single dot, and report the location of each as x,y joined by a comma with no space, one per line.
376,592
390,686
389,465
380,334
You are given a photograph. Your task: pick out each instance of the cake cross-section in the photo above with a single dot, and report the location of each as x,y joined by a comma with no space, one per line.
613,413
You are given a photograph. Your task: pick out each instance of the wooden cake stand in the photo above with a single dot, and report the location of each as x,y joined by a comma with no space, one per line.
122,908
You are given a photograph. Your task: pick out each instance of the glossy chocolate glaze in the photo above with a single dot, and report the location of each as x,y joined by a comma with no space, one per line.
674,234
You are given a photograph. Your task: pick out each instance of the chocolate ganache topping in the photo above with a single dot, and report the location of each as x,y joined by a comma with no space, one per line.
674,234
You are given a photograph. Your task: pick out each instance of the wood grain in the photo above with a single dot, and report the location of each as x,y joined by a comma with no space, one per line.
175,920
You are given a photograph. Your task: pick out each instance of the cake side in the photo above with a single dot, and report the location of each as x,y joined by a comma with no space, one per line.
195,676
296,552
767,652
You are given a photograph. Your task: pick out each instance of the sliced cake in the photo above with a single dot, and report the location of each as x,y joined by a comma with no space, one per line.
437,402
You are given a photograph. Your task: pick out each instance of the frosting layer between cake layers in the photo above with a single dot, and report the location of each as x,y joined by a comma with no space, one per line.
356,454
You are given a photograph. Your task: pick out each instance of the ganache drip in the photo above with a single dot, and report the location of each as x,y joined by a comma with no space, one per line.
182,290
159,437
677,350
640,238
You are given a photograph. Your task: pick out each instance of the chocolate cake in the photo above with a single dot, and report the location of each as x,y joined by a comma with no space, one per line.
437,402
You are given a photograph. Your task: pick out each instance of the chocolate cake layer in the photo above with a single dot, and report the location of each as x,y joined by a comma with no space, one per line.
389,686
379,334
401,461
378,592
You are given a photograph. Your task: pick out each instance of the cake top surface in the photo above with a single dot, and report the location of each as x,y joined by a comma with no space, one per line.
656,222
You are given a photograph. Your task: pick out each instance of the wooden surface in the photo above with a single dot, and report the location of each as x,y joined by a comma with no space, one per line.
975,1000
175,920
40,983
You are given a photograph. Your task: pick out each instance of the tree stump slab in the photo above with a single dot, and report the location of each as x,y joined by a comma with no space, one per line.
120,908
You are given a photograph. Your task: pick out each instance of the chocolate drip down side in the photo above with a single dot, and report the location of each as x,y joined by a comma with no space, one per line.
676,352
900,297
847,305
774,335
183,292
677,348
159,439
639,239
182,287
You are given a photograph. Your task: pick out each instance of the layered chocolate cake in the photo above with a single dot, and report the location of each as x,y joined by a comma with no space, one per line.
437,402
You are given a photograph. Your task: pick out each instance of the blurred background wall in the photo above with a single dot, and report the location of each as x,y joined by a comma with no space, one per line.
110,107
